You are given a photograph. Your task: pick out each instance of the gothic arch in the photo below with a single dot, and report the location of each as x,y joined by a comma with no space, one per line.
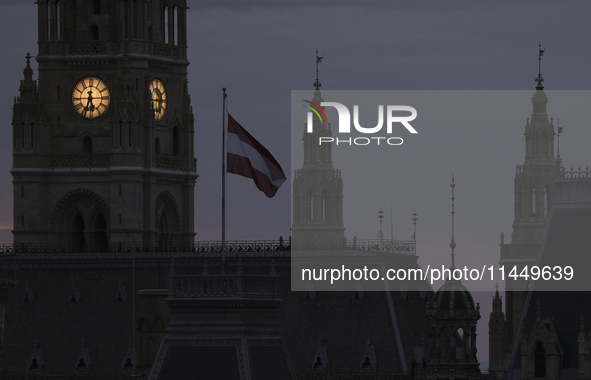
69,204
167,208
81,219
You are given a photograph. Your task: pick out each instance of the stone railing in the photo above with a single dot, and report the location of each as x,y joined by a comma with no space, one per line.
173,52
207,249
170,163
200,249
80,161
359,247
573,173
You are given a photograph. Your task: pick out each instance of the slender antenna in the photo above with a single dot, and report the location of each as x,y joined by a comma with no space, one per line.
452,245
381,233
391,224
539,79
224,176
558,138
414,222
317,84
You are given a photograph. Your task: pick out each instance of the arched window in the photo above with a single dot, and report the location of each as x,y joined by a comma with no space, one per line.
96,7
126,18
22,135
100,233
120,133
311,204
58,20
533,202
176,144
157,146
135,19
175,20
77,230
546,206
49,18
323,205
94,32
87,145
166,35
540,361
32,135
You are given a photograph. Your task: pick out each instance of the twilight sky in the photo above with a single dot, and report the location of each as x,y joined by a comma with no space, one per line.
261,50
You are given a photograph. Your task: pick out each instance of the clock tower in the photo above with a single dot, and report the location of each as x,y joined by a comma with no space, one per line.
103,140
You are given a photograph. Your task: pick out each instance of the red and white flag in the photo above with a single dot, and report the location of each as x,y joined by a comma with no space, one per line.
248,158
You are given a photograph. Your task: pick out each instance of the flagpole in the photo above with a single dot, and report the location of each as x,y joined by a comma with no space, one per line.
224,177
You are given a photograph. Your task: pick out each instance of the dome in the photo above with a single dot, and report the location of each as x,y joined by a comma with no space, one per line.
454,293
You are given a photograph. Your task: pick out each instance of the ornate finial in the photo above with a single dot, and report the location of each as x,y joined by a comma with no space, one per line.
539,79
452,245
28,71
414,222
502,238
497,287
319,59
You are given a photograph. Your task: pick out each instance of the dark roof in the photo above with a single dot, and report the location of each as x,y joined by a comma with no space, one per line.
105,326
453,293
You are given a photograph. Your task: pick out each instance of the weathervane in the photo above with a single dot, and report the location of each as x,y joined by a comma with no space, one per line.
539,79
319,59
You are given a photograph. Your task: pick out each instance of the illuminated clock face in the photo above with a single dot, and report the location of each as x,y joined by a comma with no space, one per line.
91,98
158,98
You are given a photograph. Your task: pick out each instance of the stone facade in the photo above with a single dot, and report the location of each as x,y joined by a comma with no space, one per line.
100,156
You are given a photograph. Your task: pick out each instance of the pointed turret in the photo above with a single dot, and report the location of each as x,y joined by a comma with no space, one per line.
534,194
317,186
28,87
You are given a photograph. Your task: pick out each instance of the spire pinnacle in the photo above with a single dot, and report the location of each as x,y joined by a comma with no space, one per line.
539,79
28,71
319,59
452,245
